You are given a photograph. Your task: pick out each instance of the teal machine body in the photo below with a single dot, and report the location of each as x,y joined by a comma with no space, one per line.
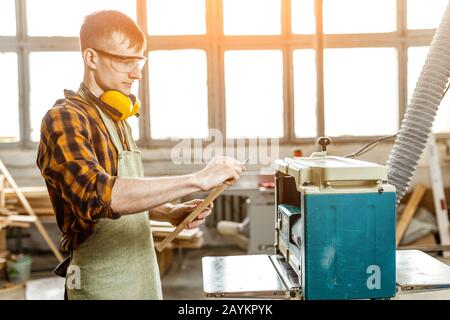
335,226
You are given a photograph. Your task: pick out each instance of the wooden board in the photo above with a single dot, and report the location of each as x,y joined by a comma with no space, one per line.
189,218
165,260
2,240
185,234
409,211
28,192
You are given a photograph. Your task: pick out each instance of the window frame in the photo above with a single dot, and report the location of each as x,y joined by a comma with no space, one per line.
215,43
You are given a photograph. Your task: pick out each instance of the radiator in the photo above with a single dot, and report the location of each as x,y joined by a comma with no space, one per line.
228,207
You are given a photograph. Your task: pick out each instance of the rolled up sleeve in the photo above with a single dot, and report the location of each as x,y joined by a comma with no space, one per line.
72,166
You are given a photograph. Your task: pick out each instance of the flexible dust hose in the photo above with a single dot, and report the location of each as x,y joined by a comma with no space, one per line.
418,121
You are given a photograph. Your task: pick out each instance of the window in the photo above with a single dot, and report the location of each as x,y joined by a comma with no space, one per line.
232,65
67,16
303,21
356,16
254,94
416,60
9,121
252,17
176,17
7,18
178,94
361,96
305,93
50,74
425,14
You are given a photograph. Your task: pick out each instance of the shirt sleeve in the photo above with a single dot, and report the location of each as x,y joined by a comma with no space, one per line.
70,164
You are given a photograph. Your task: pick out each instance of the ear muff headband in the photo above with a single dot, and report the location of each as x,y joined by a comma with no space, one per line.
126,106
116,104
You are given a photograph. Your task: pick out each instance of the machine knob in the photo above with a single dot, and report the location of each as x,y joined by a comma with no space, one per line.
324,142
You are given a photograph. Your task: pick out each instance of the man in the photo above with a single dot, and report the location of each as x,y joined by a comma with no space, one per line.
94,174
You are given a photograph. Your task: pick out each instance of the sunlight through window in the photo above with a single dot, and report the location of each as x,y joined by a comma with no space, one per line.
254,93
178,94
64,17
305,93
416,60
7,18
176,17
9,121
425,14
252,17
303,20
361,91
356,16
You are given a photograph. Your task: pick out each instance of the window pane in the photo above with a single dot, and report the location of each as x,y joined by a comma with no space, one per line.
305,93
7,18
361,97
178,94
425,14
303,20
50,74
254,93
9,90
356,16
44,15
416,60
187,19
252,17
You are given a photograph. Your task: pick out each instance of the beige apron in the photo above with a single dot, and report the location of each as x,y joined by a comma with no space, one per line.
118,260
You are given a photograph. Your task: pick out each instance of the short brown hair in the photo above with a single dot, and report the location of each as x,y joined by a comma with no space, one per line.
101,25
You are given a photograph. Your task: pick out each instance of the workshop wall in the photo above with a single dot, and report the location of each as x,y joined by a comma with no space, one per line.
157,162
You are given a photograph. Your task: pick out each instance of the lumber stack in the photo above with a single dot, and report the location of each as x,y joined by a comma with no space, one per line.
419,221
3,253
37,197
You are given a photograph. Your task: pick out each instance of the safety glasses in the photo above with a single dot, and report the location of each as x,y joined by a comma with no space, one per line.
122,63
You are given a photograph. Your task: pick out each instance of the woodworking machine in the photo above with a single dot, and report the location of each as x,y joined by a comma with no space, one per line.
335,226
334,238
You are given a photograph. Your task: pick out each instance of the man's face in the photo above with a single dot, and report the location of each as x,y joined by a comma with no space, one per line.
114,70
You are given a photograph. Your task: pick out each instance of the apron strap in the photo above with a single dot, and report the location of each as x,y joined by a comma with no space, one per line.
112,130
129,137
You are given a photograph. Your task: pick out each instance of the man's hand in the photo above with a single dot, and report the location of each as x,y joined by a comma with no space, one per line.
179,212
217,171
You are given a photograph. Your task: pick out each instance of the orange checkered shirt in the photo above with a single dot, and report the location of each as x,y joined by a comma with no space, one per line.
78,161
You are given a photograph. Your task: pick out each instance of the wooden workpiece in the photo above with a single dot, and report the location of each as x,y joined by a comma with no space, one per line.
202,206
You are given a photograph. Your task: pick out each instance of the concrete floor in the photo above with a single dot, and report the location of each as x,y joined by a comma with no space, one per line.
182,281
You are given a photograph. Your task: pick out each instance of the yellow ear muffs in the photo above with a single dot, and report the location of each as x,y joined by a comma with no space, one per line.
122,106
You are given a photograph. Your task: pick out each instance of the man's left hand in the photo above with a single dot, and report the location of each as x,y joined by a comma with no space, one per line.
180,211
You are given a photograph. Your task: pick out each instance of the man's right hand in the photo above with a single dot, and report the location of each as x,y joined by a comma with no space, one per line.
217,171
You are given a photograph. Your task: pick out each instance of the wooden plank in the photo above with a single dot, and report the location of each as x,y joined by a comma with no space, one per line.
5,223
12,287
18,218
165,260
2,193
429,239
29,192
2,240
38,211
30,211
409,211
202,206
440,202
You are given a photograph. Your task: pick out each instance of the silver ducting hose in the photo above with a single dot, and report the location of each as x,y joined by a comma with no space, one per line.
418,121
